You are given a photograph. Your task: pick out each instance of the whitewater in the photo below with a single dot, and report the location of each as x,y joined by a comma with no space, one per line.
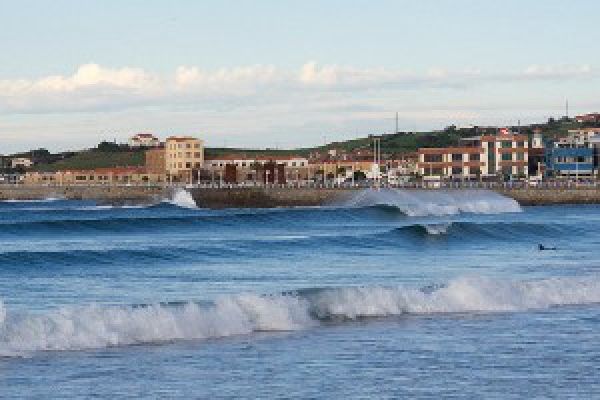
390,294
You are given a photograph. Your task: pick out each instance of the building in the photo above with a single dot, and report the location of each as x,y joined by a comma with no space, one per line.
144,140
21,162
502,155
451,162
241,169
99,176
575,155
184,157
588,118
156,161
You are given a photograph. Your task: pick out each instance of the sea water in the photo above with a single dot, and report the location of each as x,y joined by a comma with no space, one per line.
419,294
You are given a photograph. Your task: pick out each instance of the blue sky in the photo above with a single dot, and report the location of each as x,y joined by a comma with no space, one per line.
286,73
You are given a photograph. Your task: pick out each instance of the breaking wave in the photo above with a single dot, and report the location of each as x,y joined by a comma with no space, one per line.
182,198
493,229
419,203
97,326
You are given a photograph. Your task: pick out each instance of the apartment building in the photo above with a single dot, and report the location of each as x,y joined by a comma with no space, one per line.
575,155
184,157
504,154
452,162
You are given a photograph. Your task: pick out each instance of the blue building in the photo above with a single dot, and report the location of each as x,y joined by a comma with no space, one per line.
573,156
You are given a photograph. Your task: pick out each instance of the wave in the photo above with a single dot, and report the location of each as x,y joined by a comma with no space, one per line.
97,326
182,198
420,203
46,200
464,230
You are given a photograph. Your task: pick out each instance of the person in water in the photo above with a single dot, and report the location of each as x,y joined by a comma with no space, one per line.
542,247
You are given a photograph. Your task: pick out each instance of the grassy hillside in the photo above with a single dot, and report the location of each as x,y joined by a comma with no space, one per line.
96,159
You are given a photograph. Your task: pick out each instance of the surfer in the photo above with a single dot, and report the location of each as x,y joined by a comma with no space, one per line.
542,247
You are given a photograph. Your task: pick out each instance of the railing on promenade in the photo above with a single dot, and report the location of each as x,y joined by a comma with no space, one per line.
432,185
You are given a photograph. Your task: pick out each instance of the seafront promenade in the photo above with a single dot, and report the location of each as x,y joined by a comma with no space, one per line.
226,196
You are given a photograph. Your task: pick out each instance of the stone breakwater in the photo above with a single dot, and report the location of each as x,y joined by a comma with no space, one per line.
288,197
269,198
261,197
541,197
102,194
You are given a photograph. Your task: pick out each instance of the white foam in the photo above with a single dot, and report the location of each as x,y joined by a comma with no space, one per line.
437,229
46,200
183,198
419,203
96,326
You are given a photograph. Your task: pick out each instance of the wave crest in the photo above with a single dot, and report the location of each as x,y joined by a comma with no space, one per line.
420,203
96,326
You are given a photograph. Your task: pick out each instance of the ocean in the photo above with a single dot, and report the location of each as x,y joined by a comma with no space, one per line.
392,294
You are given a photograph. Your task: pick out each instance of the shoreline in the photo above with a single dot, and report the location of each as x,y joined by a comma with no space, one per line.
260,197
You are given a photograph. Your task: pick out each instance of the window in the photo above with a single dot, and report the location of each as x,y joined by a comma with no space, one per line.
188,165
456,171
457,157
197,155
521,144
180,165
197,145
432,158
188,146
506,144
506,157
520,156
473,157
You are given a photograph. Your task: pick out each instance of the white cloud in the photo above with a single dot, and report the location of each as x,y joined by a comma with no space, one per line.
96,88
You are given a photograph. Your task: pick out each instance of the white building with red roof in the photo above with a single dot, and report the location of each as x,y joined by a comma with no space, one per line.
144,140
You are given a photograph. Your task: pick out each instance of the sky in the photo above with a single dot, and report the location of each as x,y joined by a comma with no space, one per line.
284,74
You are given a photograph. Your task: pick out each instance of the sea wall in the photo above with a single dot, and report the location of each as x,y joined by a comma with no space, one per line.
537,197
271,197
264,197
101,194
291,197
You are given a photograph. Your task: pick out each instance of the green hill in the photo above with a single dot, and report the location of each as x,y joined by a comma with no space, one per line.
92,159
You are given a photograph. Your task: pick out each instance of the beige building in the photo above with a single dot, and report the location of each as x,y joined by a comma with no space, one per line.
184,156
100,176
